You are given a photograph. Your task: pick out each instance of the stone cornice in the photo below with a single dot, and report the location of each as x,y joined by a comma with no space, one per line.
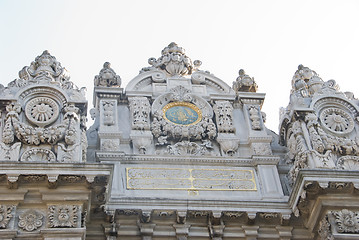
156,159
323,177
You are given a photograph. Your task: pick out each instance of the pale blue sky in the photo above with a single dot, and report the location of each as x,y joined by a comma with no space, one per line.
269,39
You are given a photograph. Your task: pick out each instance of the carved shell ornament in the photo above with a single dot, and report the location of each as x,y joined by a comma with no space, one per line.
336,120
42,111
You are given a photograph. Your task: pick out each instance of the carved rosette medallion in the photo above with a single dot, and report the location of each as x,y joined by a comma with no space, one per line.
42,111
336,120
5,215
30,220
63,216
182,113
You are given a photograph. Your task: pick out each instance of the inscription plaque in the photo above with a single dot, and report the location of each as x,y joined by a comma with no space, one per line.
190,179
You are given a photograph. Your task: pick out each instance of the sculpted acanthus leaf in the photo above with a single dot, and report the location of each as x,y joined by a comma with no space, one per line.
5,215
63,216
346,221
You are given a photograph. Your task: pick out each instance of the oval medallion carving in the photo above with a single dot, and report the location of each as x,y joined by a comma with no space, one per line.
182,113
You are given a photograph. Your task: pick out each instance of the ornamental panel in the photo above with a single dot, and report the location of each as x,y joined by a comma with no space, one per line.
190,179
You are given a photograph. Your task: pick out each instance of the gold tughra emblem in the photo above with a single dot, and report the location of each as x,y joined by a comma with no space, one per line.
182,113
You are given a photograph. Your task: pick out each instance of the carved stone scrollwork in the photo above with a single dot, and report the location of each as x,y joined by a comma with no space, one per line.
30,220
324,229
298,150
140,112
348,162
255,118
261,149
224,116
5,215
110,145
10,152
229,143
63,216
190,148
107,77
108,112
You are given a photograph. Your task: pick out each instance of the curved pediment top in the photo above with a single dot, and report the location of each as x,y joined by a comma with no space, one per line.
174,68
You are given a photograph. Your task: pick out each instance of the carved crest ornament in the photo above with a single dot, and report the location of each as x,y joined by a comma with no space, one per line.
51,119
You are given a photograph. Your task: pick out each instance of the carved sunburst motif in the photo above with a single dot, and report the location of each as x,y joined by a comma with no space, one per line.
337,120
42,111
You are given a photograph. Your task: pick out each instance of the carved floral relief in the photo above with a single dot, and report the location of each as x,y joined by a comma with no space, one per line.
140,112
30,220
63,216
224,116
255,117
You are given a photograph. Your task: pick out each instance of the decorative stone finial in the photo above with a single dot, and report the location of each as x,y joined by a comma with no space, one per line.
244,83
174,61
107,77
306,81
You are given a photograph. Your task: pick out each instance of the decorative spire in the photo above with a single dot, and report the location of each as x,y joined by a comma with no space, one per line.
107,77
244,83
174,61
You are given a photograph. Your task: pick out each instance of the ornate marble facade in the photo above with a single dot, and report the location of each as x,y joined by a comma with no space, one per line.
177,154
